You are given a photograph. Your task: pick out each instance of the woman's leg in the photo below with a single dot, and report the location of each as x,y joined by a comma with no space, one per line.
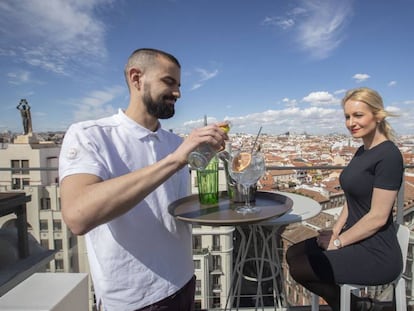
309,267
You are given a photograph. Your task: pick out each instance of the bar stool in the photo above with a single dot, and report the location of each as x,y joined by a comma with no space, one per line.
403,235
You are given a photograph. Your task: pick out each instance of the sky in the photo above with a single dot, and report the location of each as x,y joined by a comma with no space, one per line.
280,64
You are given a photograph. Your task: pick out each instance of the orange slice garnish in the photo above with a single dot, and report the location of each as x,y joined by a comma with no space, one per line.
241,161
225,128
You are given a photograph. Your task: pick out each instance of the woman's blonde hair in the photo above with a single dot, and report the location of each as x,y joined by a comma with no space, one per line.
375,103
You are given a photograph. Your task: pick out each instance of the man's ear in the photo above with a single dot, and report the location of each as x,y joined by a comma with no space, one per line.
135,78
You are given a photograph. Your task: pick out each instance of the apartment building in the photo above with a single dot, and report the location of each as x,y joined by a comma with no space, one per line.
44,217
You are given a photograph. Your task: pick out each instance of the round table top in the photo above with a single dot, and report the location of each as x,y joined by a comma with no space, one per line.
303,208
190,210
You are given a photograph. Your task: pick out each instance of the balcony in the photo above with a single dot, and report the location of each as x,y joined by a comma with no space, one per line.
76,285
21,255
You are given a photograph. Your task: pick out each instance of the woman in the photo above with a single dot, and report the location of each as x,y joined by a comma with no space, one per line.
362,247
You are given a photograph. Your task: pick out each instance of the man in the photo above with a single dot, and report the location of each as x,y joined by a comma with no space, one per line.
118,176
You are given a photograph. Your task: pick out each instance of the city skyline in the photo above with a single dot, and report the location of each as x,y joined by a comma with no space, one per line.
282,65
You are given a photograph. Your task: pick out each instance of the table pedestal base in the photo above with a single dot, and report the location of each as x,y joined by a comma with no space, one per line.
258,263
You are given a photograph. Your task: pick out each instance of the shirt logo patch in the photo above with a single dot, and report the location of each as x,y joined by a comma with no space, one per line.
72,153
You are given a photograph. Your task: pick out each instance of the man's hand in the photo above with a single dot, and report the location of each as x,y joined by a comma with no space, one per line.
211,134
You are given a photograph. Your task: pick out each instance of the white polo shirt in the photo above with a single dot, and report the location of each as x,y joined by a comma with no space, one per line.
144,255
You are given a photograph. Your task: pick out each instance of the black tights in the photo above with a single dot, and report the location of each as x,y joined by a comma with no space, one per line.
309,267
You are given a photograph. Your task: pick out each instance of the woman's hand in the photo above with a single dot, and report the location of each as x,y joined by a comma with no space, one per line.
325,239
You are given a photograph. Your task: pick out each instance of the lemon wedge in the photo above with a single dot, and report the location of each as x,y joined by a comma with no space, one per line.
241,161
225,128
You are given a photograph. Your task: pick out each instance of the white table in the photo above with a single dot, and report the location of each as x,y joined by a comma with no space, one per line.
261,239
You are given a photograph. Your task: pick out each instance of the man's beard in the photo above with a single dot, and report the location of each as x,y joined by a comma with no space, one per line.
159,108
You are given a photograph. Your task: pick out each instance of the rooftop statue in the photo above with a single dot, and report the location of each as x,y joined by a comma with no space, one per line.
24,108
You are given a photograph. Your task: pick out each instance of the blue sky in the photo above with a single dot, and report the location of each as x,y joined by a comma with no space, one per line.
280,64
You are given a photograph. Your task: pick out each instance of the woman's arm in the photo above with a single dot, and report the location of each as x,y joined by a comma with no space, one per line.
340,223
326,237
381,206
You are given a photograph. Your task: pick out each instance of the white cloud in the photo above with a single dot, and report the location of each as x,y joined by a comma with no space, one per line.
393,109
315,120
290,102
316,117
318,25
192,124
341,91
320,98
322,29
361,77
203,76
284,23
97,104
18,77
195,86
311,119
392,83
52,34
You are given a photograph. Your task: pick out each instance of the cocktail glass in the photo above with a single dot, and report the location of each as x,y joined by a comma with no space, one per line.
246,168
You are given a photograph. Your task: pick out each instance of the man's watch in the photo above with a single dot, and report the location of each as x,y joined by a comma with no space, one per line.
337,243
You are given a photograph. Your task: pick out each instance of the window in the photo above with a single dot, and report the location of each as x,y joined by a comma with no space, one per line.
216,262
216,302
197,264
17,164
57,225
198,287
58,244
216,242
59,264
44,225
216,281
26,182
45,204
44,243
197,305
25,164
20,183
196,242
16,183
73,241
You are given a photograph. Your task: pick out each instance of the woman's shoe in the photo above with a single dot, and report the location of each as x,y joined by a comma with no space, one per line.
375,305
366,304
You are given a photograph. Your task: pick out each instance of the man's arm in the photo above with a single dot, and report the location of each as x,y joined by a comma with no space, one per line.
87,201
